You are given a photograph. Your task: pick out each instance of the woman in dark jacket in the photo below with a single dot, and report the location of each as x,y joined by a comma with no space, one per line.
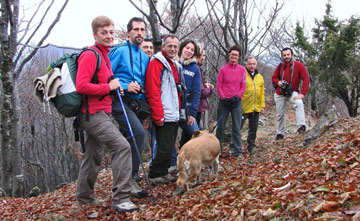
188,53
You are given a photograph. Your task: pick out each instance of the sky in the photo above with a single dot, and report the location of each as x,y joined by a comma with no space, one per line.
74,28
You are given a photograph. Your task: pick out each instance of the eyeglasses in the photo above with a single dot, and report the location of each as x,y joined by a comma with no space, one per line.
234,55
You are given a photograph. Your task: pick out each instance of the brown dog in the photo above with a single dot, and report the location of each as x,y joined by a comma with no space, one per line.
202,150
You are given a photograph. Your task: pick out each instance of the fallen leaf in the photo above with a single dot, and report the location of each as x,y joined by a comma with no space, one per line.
302,191
234,213
328,206
344,197
321,189
353,210
269,212
318,207
283,187
356,217
93,215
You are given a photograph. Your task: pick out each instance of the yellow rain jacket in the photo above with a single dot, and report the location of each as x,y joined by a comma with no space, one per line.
254,97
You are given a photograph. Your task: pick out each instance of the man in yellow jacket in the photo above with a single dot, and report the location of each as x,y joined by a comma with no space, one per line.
253,101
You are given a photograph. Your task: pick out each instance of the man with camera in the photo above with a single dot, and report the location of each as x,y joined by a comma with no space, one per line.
286,80
129,64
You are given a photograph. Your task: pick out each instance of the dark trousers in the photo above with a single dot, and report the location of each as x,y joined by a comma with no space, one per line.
165,138
236,115
253,126
198,120
136,127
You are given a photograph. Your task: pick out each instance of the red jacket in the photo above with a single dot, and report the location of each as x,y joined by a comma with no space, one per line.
299,73
153,86
86,70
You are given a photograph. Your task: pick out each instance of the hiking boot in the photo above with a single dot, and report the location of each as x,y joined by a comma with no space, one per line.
125,207
169,178
237,154
96,202
251,149
301,129
136,177
158,181
279,137
136,190
173,170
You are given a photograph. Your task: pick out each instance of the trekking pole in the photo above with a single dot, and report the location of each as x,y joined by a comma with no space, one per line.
137,150
218,121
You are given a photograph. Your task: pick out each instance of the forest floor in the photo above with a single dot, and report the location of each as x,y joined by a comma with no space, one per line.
283,180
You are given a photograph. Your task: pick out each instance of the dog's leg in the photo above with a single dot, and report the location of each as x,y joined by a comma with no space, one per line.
199,176
215,167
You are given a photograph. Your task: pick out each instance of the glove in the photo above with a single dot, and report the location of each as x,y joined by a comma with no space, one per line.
231,103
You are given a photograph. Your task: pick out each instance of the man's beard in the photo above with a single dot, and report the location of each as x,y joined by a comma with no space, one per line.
287,60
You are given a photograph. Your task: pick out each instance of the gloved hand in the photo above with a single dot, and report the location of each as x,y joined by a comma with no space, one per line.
231,103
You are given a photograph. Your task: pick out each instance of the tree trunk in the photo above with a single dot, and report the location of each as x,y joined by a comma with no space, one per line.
6,122
17,161
154,28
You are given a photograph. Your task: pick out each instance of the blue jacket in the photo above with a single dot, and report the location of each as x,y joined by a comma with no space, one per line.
121,66
192,77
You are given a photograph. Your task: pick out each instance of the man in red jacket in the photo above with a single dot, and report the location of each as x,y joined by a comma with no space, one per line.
289,73
99,128
163,75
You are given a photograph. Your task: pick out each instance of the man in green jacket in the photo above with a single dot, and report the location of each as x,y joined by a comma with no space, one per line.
253,101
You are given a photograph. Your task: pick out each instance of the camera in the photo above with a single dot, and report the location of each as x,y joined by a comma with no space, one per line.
142,90
286,89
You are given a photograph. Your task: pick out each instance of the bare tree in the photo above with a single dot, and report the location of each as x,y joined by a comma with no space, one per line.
168,19
245,23
14,56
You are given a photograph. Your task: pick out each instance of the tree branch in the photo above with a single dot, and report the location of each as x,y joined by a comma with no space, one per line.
28,58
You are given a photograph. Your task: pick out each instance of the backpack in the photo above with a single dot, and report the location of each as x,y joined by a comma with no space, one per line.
279,67
67,101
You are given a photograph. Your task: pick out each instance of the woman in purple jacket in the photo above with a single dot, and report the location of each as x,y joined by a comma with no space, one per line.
231,84
206,89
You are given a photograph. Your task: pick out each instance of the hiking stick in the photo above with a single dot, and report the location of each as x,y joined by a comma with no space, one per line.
134,141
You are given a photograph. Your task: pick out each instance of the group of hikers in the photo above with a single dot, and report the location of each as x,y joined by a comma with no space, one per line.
160,92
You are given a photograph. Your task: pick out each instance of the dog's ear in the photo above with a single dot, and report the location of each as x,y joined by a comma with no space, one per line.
196,133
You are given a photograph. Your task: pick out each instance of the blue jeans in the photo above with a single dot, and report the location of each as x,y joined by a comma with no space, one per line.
137,128
236,115
187,133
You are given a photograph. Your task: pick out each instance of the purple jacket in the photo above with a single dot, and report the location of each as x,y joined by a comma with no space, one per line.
231,81
205,93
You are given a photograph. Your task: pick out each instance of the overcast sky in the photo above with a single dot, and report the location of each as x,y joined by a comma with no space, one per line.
74,28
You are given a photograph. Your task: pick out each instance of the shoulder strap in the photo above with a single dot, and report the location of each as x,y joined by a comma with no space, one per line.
279,67
94,79
132,63
291,72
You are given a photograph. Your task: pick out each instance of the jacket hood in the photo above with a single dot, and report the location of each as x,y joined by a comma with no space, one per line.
191,60
256,71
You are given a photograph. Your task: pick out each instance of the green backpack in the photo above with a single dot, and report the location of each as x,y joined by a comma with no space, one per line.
67,101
